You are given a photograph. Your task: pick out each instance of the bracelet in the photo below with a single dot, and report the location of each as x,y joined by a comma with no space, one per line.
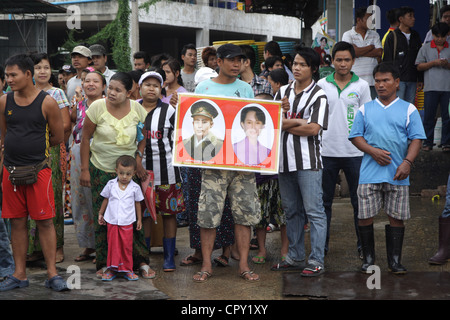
407,161
139,153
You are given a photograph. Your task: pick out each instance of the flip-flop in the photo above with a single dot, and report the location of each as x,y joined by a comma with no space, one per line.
221,261
201,273
56,283
259,259
108,275
145,272
244,275
131,276
84,257
193,261
100,272
254,244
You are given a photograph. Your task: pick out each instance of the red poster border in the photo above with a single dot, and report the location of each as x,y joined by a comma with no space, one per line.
225,158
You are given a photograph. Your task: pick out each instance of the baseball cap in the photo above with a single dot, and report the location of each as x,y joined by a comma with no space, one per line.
151,74
204,73
229,51
69,68
83,51
97,50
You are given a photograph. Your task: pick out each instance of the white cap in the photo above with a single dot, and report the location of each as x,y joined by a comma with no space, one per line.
151,74
204,73
83,51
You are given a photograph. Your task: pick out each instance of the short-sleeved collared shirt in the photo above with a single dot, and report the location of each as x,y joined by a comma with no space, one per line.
436,78
121,203
260,86
363,66
343,106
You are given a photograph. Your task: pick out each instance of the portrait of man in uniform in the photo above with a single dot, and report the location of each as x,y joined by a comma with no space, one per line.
203,145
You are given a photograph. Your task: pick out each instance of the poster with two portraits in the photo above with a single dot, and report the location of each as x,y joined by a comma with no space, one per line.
227,133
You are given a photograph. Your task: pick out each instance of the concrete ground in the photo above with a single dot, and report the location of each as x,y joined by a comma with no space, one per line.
420,243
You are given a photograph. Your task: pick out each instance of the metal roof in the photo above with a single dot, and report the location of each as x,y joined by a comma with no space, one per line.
29,6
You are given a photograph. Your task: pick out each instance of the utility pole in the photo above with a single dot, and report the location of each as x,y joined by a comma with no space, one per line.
134,28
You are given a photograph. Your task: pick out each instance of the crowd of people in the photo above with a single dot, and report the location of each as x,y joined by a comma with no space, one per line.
103,135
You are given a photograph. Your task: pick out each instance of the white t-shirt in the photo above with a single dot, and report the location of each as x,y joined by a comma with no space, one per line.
121,203
343,107
363,66
72,84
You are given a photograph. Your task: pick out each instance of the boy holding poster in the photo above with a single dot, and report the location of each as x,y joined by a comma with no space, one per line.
240,186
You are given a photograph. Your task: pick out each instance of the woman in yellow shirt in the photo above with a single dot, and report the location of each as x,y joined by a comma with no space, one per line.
112,125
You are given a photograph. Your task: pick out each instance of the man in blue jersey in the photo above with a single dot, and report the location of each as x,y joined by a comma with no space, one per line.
390,132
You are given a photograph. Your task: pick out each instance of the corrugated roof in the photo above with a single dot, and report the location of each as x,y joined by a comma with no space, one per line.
29,6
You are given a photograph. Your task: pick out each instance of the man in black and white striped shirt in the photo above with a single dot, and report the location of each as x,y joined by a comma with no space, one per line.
300,173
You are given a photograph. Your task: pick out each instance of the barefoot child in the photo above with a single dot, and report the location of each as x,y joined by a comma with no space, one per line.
120,207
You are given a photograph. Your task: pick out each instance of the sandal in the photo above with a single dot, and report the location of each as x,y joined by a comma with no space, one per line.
221,261
249,276
312,271
12,282
108,275
445,148
201,274
259,259
285,266
84,257
191,260
427,148
131,276
36,256
254,244
145,272
56,283
100,272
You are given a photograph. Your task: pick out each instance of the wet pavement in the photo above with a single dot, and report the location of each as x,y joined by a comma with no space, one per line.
342,279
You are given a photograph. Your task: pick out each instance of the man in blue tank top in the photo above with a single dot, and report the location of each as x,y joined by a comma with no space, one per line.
30,123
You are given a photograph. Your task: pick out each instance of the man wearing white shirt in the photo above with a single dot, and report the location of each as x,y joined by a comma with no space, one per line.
444,13
81,58
99,58
346,92
367,47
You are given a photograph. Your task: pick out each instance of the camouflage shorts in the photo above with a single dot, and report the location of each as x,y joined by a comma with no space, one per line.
240,187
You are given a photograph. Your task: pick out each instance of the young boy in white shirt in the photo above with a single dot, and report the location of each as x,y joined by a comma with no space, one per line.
120,209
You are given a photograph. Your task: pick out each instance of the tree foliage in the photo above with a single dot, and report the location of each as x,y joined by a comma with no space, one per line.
116,32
